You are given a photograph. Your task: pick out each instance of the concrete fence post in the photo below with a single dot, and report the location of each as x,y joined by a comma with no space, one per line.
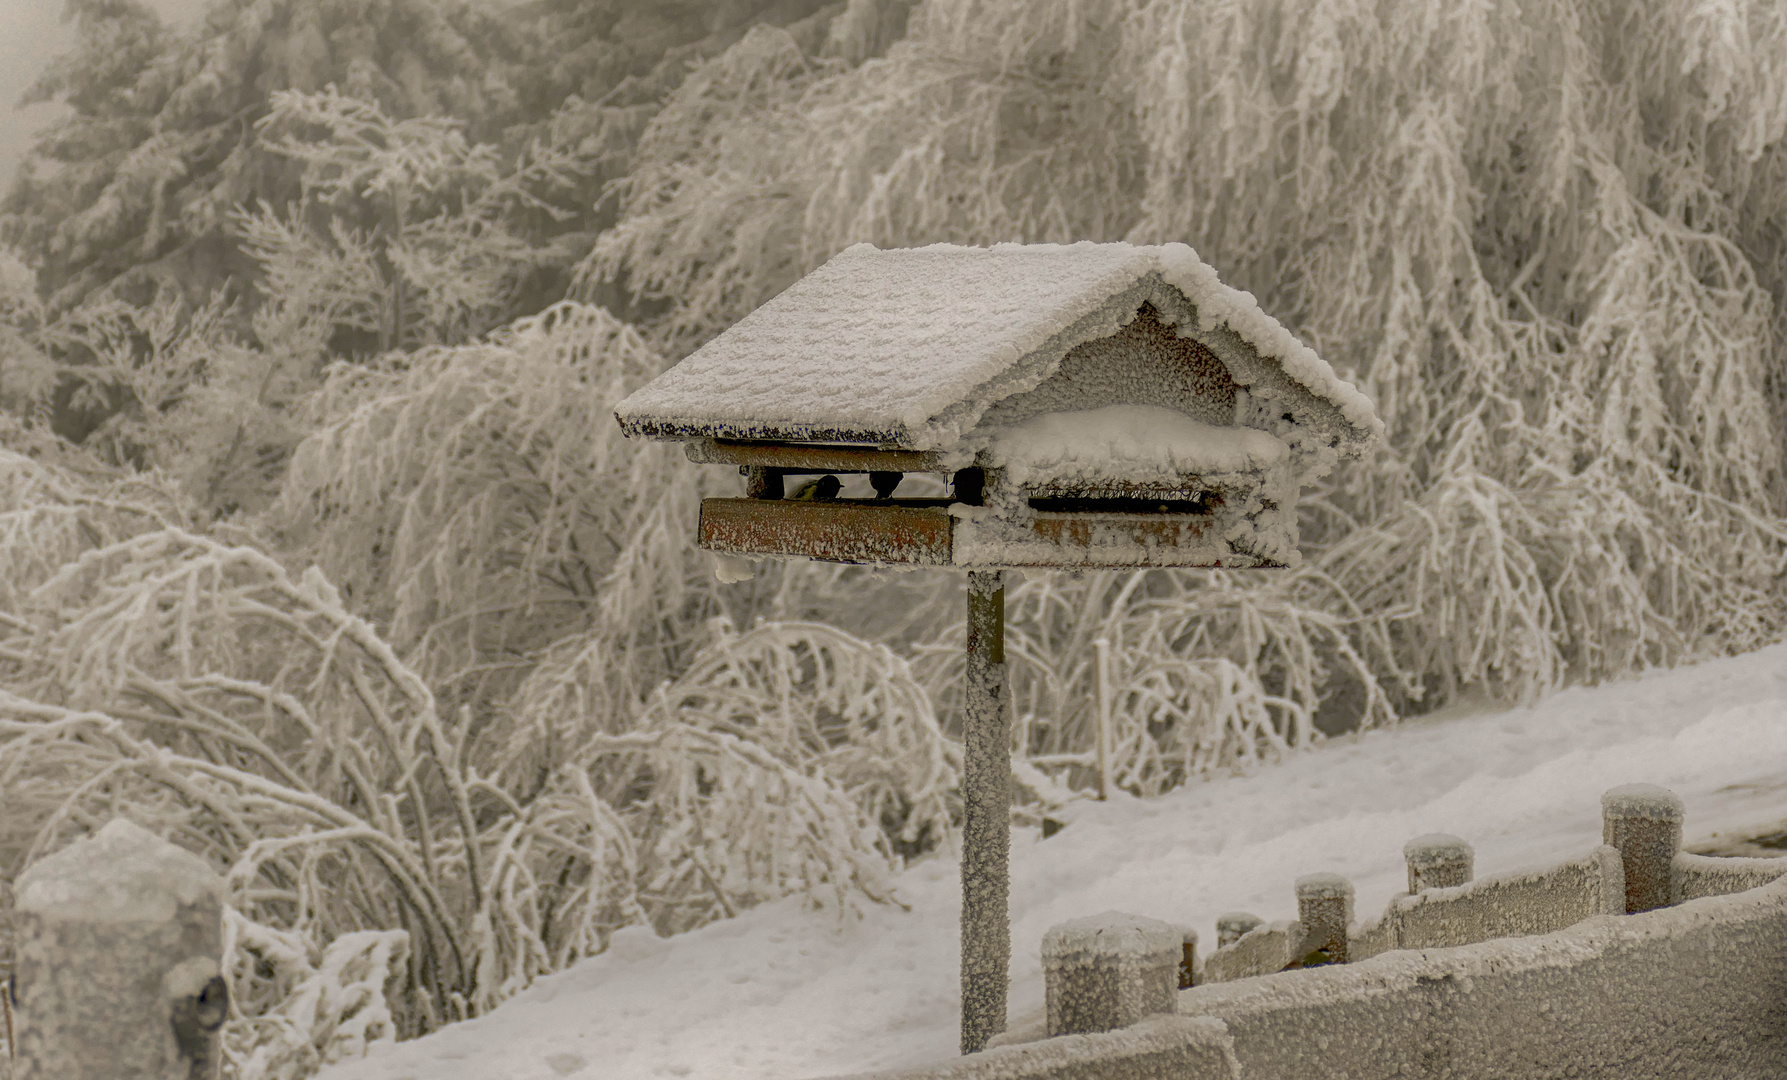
1644,822
1325,908
1109,971
116,962
1437,861
1232,926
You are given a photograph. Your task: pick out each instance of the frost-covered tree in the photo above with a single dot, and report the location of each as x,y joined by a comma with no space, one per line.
405,233
1544,237
162,145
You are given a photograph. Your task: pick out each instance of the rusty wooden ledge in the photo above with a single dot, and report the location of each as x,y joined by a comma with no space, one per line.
921,532
808,457
909,531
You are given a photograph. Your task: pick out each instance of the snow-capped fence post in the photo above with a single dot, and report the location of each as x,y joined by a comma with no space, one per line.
986,816
1644,822
1325,910
1437,861
116,975
1232,926
1109,971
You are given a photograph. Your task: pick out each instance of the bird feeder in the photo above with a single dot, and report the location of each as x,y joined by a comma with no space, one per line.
1088,406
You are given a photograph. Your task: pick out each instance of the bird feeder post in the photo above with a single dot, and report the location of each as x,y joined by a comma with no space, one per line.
986,816
1094,406
1101,671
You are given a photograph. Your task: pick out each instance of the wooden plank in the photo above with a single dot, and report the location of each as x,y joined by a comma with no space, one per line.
1114,541
910,531
799,457
920,532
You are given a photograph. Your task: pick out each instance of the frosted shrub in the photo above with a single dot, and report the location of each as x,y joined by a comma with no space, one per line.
1208,672
822,699
481,502
294,1011
389,871
199,687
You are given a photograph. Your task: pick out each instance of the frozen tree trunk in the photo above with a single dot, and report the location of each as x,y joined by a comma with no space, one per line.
986,816
1644,822
116,969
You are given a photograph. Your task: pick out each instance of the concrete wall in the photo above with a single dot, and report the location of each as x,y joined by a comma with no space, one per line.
1510,905
1261,951
1694,876
1695,990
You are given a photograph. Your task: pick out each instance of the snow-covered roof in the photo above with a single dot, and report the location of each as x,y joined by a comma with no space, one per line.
908,347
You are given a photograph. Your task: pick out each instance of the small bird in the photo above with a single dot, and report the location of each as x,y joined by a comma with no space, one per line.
1315,958
824,488
884,483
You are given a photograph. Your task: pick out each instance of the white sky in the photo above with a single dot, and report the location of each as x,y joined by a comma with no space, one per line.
782,992
31,31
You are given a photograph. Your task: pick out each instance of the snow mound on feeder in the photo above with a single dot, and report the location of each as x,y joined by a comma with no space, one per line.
1136,443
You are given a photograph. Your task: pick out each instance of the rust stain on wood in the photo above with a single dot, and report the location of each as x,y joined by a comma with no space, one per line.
920,532
913,531
810,458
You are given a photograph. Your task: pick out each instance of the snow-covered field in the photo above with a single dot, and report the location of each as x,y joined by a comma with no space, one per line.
785,992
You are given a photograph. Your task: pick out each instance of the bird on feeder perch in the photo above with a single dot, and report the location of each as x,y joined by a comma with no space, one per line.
1093,406
825,487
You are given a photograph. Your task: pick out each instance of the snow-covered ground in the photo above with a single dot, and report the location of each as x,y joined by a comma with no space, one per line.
785,992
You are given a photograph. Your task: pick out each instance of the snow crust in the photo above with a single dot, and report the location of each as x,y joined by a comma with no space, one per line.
123,873
910,346
1432,848
1112,937
1220,306
1643,800
1324,886
1137,443
783,992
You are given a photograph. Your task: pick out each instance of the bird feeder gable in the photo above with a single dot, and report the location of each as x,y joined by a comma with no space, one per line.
1094,405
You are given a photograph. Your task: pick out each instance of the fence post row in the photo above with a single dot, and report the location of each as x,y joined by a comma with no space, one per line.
116,976
1644,822
1110,970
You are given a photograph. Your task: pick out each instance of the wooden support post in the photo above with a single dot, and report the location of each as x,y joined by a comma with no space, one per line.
117,962
986,816
762,482
1101,678
1644,822
1437,861
1325,908
1188,957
